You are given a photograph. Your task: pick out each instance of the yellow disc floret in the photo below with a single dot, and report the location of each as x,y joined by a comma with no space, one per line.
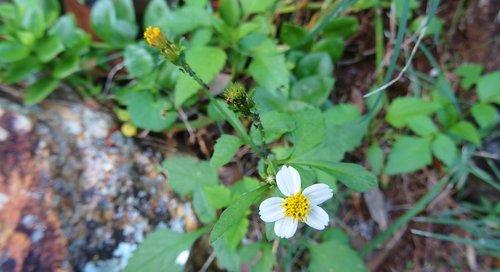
297,206
155,37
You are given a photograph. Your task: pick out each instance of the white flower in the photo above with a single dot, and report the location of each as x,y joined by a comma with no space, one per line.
298,206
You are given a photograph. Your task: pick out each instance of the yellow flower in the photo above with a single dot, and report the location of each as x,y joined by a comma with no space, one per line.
155,37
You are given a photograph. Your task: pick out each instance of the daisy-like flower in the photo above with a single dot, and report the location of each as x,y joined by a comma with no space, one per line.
297,206
155,37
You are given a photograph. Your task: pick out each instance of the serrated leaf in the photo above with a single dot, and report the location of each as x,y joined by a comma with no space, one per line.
444,149
218,196
276,124
313,90
40,90
404,108
484,114
138,61
270,71
408,154
205,212
207,62
160,250
309,130
375,156
466,131
352,175
240,187
235,212
185,182
422,125
150,113
224,150
345,258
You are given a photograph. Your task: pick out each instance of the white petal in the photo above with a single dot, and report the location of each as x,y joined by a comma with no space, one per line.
288,180
318,193
270,209
286,227
317,218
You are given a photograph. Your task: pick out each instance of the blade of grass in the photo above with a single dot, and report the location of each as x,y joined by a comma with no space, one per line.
407,216
481,243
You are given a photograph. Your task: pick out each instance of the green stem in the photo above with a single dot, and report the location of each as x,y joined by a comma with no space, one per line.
258,125
379,42
206,90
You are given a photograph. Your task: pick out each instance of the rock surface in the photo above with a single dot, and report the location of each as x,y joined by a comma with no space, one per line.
75,195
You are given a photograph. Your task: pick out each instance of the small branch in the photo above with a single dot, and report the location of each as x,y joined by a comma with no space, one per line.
208,262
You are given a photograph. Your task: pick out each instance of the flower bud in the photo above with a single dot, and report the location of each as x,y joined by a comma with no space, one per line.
238,99
155,38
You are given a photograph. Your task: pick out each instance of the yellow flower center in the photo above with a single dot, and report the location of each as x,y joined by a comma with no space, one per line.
154,37
297,206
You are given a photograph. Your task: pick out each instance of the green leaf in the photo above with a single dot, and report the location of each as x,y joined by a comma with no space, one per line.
408,154
270,71
205,212
240,187
334,256
314,64
40,90
138,61
114,21
48,48
444,149
434,26
230,11
186,19
292,34
470,74
236,233
226,258
160,250
422,125
224,150
484,114
232,119
34,21
11,51
352,175
185,182
334,46
342,26
21,69
218,196
276,124
488,87
51,10
466,131
156,14
150,113
342,114
256,6
313,90
235,212
404,108
309,130
207,62
375,158
267,259
67,66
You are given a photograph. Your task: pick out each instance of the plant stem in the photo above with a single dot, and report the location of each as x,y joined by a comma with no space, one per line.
258,124
206,90
379,42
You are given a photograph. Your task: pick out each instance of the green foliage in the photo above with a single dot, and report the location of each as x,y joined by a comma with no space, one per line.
444,149
403,109
224,150
185,182
470,74
41,89
235,212
149,112
408,154
375,158
487,88
160,250
138,61
114,21
344,259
